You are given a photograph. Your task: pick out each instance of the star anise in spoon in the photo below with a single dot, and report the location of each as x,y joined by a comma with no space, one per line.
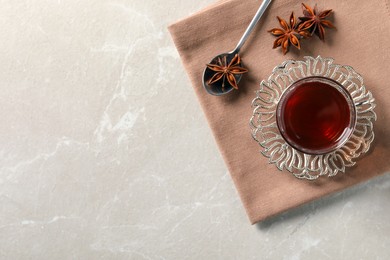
226,71
288,34
314,21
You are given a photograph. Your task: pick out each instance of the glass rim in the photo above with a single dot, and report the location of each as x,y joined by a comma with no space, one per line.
344,137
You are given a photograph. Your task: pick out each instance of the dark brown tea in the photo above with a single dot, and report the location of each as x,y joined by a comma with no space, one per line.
316,115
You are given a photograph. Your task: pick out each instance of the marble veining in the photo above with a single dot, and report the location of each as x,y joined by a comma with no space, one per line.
101,158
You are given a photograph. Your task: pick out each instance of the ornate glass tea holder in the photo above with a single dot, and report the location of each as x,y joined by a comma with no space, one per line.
313,117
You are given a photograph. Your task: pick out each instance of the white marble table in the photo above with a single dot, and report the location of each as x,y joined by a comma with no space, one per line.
105,153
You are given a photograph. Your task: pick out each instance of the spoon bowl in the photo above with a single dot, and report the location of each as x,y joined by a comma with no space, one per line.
220,87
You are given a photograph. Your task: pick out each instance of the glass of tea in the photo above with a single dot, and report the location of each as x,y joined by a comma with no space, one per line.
316,115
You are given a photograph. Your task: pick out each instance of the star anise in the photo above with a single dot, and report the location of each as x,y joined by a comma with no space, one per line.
315,21
289,33
224,71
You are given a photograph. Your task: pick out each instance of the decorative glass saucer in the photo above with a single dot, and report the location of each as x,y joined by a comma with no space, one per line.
309,156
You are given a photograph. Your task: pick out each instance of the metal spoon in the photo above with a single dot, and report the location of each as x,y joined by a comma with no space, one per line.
218,89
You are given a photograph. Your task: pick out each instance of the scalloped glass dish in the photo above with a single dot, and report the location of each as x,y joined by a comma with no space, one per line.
313,117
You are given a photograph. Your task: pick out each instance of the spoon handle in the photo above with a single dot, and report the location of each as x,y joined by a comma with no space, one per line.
252,25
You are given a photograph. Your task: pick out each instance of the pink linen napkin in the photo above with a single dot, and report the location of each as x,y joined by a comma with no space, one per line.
362,40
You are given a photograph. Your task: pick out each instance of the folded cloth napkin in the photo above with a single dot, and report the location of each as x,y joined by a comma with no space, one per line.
362,40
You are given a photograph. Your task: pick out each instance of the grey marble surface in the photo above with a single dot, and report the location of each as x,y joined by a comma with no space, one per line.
105,153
